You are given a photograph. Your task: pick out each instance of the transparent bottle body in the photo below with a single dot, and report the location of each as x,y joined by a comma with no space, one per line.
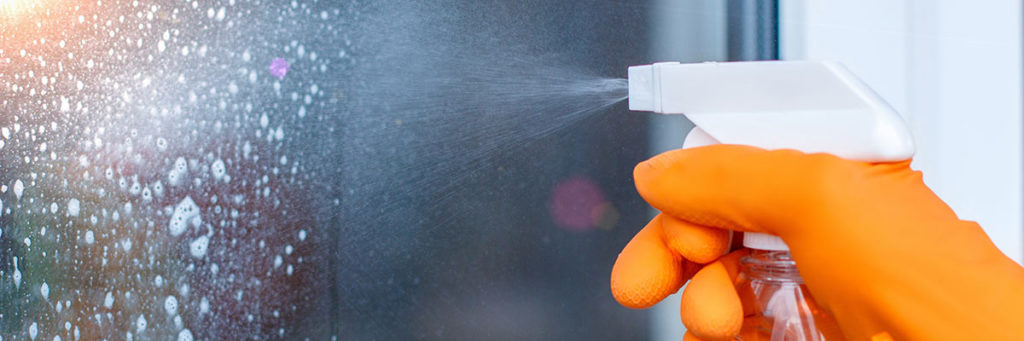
777,304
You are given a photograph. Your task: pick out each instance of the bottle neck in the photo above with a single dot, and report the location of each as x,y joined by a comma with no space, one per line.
767,265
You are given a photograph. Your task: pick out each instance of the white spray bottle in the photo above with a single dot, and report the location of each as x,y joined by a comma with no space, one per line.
810,106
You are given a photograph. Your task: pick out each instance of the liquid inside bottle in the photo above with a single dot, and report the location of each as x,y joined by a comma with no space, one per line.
777,304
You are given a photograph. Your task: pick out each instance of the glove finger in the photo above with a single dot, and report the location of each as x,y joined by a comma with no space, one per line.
698,244
736,187
710,307
646,271
690,337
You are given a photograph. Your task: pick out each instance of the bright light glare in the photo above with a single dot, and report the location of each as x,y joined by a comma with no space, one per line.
15,8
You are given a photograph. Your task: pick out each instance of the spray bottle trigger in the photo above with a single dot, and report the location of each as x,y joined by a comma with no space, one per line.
761,241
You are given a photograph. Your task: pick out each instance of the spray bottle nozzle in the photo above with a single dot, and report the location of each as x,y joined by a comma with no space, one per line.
644,89
809,106
813,107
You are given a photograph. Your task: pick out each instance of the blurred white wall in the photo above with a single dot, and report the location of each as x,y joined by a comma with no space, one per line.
954,70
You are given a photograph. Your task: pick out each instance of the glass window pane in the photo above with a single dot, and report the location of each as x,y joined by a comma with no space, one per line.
317,169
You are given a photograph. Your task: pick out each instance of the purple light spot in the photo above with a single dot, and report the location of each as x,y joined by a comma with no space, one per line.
279,67
577,204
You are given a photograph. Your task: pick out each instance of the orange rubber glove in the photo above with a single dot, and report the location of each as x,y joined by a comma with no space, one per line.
874,245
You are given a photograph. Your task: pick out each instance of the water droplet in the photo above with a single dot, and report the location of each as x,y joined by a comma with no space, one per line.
180,165
109,300
221,14
158,189
16,275
171,305
199,246
217,169
185,335
140,324
73,208
19,188
246,149
185,213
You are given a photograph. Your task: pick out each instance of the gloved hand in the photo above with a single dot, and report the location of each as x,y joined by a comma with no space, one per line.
874,245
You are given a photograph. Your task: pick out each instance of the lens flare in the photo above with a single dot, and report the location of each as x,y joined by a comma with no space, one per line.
10,8
578,204
15,9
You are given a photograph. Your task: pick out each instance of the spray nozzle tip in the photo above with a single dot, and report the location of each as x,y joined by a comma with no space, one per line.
641,88
645,86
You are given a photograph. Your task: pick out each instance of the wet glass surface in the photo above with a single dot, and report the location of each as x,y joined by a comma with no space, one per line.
316,169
